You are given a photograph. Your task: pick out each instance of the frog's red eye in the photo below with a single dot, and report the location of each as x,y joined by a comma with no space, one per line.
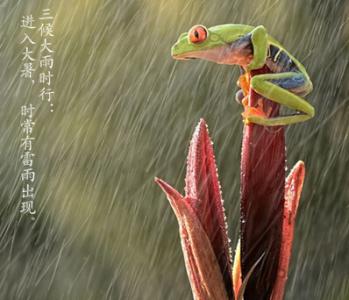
198,34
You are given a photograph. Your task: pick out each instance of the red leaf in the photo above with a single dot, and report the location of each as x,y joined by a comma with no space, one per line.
203,187
293,189
204,205
203,270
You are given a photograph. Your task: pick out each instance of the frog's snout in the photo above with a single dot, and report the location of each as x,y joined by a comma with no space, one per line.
179,54
175,51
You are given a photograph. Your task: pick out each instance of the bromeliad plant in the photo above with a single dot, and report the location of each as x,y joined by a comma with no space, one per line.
203,229
269,202
202,224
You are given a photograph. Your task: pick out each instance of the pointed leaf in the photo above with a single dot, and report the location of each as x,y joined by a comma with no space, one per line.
237,282
203,188
202,257
293,189
202,267
172,195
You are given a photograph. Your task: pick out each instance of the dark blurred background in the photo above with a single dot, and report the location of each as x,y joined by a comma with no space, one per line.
124,113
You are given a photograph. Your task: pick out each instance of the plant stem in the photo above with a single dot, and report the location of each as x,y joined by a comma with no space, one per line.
262,199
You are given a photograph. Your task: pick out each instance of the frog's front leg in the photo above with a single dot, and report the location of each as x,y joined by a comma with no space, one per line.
284,89
259,39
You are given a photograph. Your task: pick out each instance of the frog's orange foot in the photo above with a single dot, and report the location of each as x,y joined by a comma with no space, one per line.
250,112
253,112
244,82
244,102
260,105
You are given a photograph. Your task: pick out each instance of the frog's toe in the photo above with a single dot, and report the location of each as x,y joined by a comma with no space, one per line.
239,96
252,113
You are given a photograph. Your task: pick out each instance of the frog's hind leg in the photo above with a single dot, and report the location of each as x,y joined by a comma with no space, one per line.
285,89
297,84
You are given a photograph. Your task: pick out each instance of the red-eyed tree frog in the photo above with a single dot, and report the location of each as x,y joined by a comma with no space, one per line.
252,48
